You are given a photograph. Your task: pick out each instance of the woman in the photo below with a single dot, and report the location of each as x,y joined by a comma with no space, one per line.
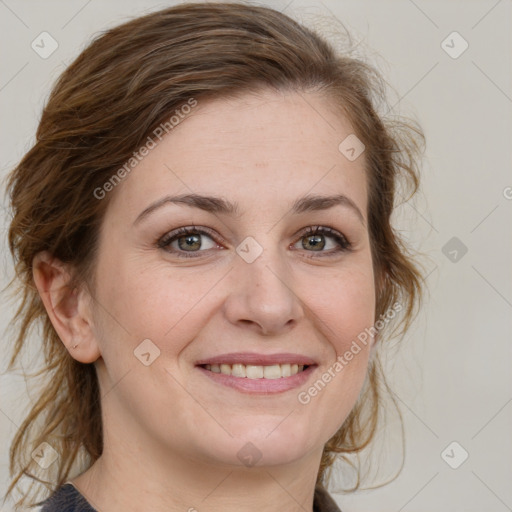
203,229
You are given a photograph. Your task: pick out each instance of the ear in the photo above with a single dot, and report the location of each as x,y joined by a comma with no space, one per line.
69,309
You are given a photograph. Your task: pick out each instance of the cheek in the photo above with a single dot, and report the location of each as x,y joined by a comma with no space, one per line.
141,300
346,306
345,315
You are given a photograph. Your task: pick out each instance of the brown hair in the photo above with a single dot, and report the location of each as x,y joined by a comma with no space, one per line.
103,107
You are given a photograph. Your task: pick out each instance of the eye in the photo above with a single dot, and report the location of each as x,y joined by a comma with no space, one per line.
186,241
189,242
324,240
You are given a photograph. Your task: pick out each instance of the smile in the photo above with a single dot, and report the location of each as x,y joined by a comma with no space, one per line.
249,371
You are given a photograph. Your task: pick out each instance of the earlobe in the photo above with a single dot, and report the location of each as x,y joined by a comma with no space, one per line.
68,308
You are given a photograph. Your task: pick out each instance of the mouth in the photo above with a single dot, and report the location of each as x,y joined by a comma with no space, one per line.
250,371
258,374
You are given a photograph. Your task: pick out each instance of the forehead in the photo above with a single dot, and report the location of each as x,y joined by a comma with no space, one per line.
255,149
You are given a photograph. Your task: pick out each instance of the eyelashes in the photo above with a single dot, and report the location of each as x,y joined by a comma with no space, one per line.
187,242
192,236
327,232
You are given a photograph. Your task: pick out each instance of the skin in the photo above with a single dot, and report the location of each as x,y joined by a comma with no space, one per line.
171,435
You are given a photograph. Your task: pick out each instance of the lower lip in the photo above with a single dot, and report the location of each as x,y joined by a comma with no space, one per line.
261,386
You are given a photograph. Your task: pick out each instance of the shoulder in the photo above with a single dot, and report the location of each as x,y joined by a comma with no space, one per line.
66,499
323,501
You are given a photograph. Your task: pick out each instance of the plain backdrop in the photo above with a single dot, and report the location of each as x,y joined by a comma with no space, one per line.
450,66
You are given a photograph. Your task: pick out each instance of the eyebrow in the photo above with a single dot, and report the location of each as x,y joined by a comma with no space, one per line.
309,203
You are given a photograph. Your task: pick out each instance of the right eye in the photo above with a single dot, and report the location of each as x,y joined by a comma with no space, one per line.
187,242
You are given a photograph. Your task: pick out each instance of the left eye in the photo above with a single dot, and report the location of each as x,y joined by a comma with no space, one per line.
314,240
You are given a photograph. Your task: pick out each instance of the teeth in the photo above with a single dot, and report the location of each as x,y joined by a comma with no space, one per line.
272,372
249,371
238,370
253,372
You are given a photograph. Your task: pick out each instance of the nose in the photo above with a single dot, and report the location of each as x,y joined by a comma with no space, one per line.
262,297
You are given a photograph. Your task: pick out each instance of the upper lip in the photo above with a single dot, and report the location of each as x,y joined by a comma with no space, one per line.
257,359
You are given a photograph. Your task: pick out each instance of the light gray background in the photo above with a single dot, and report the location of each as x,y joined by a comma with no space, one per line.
452,376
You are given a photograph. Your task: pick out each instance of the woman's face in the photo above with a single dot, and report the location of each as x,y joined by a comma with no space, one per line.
254,284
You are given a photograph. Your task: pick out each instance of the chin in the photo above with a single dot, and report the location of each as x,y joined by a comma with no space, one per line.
266,444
